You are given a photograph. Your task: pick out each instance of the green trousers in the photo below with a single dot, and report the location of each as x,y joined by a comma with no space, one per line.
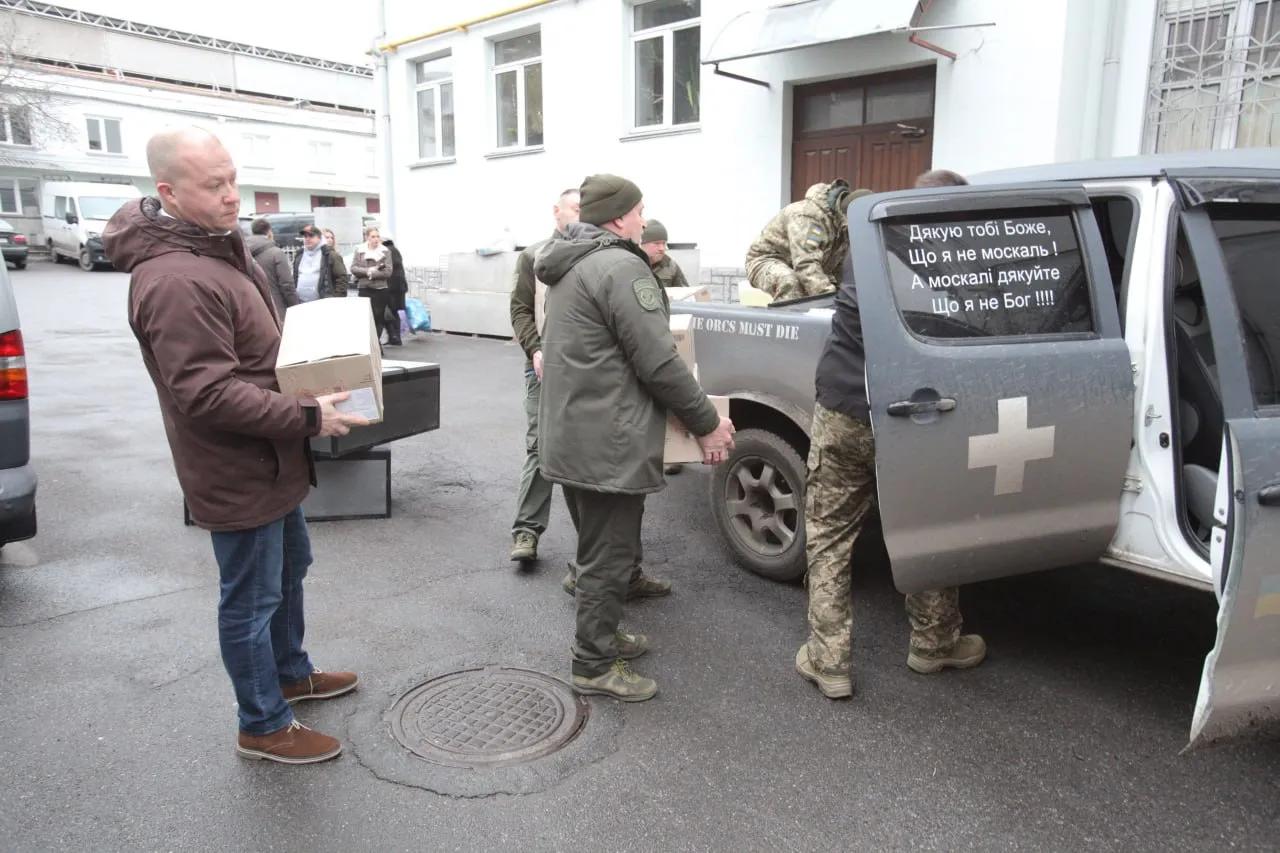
533,506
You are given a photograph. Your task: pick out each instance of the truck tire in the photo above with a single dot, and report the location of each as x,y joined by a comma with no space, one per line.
757,499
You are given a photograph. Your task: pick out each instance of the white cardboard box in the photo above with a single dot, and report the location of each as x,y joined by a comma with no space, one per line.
699,293
681,445
331,345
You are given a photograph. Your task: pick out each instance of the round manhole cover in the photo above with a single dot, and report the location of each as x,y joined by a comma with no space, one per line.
487,717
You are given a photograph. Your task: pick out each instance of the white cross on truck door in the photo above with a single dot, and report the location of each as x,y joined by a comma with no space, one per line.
1000,388
1011,446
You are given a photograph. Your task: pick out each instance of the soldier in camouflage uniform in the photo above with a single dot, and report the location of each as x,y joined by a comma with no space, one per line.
802,249
664,267
840,490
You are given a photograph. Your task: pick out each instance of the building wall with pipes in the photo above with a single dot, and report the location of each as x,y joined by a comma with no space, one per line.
1023,91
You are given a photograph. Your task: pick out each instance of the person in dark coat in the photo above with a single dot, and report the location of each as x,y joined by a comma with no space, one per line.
398,289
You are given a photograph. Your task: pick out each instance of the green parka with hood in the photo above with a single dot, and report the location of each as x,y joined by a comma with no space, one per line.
610,371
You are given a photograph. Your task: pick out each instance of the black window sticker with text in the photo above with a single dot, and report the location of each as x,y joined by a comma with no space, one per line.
989,276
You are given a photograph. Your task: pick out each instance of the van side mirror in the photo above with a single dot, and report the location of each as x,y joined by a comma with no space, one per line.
72,219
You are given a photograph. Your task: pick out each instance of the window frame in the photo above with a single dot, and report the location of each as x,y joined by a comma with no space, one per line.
435,86
1229,107
14,184
251,155
6,116
667,33
102,133
522,103
314,165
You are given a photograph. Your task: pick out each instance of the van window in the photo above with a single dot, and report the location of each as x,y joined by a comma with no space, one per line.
1250,238
60,206
100,207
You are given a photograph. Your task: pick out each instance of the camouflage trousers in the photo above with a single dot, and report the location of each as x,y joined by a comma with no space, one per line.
840,489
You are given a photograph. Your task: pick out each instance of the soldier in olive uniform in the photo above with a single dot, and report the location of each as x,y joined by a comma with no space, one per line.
610,375
840,489
802,249
654,243
533,504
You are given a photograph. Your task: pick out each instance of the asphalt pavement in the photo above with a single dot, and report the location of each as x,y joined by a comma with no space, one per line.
119,721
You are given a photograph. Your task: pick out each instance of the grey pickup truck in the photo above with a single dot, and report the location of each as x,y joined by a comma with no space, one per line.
1067,364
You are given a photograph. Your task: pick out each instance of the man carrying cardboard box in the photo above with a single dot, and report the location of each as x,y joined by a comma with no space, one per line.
610,375
203,316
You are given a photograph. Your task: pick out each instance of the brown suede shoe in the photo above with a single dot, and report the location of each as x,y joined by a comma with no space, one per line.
320,685
294,744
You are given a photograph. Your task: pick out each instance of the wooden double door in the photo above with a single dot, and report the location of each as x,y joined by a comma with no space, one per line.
875,132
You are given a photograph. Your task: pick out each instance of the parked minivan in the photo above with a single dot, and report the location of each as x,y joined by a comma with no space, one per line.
74,215
17,477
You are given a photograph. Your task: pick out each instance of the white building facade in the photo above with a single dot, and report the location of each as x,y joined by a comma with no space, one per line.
300,129
725,110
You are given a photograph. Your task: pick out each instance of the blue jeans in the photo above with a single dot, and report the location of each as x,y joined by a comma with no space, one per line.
260,624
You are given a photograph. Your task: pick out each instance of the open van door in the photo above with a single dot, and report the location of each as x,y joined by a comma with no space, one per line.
1232,227
1001,389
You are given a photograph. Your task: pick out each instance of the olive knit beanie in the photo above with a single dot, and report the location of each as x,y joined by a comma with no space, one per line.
606,198
654,232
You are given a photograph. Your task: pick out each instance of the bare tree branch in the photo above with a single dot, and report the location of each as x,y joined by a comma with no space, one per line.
31,103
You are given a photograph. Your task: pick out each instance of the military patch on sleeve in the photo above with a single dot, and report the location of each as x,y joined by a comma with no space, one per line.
646,290
815,237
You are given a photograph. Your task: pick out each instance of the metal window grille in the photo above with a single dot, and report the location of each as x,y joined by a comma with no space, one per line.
1215,76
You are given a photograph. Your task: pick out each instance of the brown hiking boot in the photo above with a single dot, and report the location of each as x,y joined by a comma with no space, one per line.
833,685
968,652
294,744
320,685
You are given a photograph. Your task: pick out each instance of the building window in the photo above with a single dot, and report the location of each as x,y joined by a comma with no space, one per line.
104,135
517,89
433,89
666,46
15,125
372,205
1215,76
328,201
257,150
18,197
322,157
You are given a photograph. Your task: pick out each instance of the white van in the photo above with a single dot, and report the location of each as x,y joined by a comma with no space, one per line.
74,215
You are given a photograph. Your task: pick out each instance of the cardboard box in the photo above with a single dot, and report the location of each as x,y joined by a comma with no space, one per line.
701,293
539,304
331,345
680,444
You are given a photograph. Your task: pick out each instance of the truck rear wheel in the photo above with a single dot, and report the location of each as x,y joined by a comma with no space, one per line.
757,498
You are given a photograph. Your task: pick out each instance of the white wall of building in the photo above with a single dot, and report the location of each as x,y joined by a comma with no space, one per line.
1023,91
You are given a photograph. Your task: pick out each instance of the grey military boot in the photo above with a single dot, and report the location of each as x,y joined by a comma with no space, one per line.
526,547
968,652
833,685
631,646
620,682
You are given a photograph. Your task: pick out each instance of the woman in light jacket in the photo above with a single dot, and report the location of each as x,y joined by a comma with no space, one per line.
371,267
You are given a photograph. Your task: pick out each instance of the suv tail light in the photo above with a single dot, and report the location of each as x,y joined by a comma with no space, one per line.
19,238
13,367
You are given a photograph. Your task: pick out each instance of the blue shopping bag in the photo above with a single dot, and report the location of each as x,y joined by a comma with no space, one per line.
418,315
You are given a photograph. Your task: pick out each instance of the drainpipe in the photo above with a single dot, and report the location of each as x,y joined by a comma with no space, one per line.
1110,86
386,188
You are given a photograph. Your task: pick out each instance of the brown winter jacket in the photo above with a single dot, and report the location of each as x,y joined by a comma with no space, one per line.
202,313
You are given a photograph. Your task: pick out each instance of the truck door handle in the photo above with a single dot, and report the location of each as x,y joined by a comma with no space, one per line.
907,408
1269,495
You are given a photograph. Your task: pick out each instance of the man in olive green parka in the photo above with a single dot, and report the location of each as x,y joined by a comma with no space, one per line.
610,374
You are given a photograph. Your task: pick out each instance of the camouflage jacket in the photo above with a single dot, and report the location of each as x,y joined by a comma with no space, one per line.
668,273
809,237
